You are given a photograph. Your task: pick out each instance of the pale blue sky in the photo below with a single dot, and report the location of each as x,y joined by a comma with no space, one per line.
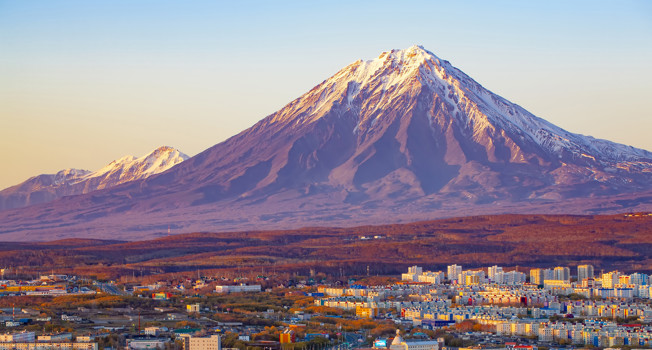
86,82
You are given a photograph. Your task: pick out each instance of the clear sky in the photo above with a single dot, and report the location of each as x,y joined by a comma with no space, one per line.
85,82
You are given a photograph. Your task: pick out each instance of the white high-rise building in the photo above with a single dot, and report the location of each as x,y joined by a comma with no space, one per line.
413,274
536,276
453,271
471,277
431,277
562,273
492,272
497,278
639,279
512,277
417,270
539,276
584,272
610,279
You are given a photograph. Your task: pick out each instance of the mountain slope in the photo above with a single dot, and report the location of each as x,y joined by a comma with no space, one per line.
402,137
407,125
48,187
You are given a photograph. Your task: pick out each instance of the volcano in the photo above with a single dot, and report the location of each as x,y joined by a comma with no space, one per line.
68,182
402,137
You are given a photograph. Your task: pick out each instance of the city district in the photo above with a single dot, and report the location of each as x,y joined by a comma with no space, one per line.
485,308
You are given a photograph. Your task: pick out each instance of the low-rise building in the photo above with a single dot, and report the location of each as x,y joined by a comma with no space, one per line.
48,346
190,308
212,342
144,344
399,344
238,288
18,337
60,337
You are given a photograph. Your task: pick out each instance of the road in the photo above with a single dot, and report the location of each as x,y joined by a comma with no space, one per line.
110,289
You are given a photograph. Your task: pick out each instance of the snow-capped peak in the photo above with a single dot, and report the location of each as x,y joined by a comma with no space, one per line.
391,67
129,168
395,70
69,175
373,85
47,187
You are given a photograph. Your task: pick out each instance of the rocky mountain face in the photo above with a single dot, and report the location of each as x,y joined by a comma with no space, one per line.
405,126
48,187
404,136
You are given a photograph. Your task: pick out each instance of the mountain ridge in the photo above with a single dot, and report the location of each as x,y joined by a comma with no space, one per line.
48,187
405,136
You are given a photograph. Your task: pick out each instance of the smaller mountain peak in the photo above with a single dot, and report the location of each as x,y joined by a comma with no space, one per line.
71,173
167,150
